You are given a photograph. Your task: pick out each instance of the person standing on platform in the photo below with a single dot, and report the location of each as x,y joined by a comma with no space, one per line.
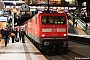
5,36
16,32
22,35
12,35
1,30
86,26
73,21
76,22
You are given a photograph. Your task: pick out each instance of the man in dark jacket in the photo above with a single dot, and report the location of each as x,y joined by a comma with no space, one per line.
13,37
5,36
22,35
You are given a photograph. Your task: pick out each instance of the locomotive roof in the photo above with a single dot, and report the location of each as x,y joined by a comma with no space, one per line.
51,13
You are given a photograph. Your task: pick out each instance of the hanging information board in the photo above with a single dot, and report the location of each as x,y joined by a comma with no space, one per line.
3,19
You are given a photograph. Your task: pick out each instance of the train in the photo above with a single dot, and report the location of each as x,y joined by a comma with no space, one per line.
48,29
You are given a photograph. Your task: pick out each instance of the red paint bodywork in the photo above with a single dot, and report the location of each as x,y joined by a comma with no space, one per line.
35,26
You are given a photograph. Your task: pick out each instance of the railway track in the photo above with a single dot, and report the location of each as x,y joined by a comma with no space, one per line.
60,55
70,56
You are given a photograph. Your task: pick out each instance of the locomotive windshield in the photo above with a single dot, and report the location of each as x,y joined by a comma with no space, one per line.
53,20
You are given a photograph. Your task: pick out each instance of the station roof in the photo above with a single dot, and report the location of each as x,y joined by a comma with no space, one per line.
13,1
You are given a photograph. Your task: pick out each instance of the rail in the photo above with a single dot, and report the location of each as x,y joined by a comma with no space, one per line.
85,39
71,55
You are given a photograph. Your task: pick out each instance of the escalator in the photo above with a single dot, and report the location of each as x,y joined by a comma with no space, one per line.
71,29
82,25
81,29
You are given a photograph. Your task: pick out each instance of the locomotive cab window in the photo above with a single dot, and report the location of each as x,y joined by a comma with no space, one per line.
53,20
60,20
43,20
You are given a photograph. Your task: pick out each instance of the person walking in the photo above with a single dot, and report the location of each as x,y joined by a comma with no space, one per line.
5,36
22,35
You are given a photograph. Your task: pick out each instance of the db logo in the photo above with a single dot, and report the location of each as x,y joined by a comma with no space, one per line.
54,30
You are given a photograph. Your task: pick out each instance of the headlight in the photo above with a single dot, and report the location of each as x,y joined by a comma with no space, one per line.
64,34
43,35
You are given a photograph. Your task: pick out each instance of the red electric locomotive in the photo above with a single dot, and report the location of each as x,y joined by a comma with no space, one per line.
48,29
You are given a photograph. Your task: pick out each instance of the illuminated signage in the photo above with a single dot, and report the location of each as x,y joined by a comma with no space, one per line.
4,19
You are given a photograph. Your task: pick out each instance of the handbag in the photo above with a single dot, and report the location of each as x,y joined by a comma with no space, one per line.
2,41
0,35
12,34
17,39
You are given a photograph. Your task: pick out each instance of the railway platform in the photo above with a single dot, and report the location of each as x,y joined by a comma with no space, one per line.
20,51
79,30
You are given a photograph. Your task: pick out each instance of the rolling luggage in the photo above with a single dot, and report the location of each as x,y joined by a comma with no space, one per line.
17,39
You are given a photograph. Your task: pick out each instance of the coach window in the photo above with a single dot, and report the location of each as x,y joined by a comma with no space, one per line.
51,19
43,20
62,20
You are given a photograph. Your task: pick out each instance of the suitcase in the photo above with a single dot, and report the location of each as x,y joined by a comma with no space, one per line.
17,39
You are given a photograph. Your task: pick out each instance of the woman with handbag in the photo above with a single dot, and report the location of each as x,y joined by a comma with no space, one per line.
5,35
